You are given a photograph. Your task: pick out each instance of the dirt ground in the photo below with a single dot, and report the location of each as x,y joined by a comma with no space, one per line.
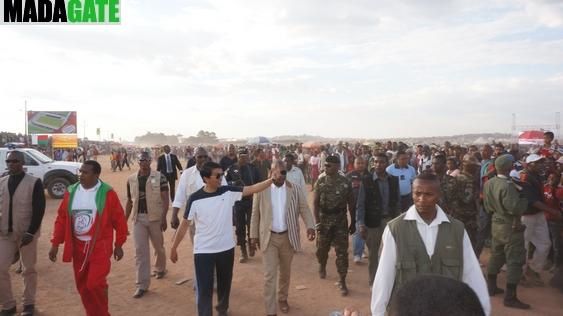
56,294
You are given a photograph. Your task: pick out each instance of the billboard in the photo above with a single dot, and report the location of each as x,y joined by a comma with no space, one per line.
65,141
51,122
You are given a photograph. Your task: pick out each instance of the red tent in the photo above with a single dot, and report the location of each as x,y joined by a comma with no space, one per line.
530,138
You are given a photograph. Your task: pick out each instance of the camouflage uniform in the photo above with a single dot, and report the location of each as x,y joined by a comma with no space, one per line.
448,189
334,193
467,208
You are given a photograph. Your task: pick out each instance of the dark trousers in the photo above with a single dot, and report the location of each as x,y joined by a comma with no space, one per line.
484,231
555,232
205,264
171,185
242,222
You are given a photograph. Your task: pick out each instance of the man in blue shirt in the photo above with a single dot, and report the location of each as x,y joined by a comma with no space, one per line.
406,174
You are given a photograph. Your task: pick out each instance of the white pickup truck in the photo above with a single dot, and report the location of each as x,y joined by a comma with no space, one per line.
56,175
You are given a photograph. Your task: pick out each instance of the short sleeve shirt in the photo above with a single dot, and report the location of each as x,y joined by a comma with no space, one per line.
212,214
84,211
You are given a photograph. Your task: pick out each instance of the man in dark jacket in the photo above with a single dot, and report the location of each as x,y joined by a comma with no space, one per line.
167,164
378,203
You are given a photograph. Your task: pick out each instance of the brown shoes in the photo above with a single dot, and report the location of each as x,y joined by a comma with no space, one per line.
284,307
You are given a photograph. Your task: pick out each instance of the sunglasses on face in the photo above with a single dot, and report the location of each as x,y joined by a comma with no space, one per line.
12,161
218,176
202,157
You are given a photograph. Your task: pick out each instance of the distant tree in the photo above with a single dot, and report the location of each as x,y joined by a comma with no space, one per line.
157,139
202,137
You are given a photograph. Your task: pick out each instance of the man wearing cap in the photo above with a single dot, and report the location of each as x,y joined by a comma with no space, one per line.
167,164
242,173
502,198
533,217
467,203
333,194
147,199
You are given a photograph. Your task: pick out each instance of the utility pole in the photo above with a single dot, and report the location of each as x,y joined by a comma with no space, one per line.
25,124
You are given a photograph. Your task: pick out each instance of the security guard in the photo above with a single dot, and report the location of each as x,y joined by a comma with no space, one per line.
502,198
333,193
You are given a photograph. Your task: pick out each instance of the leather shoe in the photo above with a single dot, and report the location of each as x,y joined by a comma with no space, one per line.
28,310
139,293
160,275
8,312
284,307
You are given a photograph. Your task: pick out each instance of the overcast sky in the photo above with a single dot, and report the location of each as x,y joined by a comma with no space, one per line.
369,69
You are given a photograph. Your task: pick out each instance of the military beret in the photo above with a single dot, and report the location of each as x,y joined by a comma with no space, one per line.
243,151
504,162
332,159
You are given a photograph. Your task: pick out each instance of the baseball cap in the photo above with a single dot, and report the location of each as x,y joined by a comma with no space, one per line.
533,158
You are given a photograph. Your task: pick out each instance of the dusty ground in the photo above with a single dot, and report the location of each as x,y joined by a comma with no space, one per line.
57,295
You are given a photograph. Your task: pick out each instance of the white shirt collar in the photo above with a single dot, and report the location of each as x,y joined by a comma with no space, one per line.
94,188
412,215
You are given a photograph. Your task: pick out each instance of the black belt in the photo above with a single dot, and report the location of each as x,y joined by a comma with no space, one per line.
279,233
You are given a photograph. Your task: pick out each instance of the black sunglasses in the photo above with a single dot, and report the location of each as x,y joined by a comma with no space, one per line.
12,161
201,157
218,176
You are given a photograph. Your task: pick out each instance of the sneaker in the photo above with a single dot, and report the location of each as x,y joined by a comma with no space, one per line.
357,259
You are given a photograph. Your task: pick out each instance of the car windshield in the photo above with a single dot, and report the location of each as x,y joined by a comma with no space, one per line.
40,156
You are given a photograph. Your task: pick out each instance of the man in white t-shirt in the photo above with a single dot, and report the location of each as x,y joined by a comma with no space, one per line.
211,210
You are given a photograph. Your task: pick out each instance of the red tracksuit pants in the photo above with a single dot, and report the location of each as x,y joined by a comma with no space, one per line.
90,277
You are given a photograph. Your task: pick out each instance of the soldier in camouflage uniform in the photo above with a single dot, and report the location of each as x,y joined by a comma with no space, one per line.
448,184
467,208
502,199
333,194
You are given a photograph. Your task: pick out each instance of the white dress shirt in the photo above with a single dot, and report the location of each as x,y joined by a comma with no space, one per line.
190,181
385,276
279,215
168,163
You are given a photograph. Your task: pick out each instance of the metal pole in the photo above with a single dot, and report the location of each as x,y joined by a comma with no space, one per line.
25,124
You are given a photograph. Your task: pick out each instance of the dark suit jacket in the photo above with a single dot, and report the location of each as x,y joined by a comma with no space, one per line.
161,166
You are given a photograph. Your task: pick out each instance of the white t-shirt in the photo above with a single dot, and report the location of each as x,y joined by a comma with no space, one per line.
213,217
279,215
84,211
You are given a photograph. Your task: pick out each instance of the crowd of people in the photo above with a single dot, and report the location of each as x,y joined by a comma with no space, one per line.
421,216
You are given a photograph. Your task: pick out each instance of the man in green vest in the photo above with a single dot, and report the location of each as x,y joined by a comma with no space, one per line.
424,240
147,200
502,199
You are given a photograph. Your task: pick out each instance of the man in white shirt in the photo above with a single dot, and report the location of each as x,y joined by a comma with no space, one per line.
424,240
294,174
211,208
275,224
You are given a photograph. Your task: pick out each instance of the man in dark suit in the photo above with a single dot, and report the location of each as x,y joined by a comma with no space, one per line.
378,203
167,164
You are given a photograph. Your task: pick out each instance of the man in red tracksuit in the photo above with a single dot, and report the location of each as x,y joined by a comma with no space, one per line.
86,218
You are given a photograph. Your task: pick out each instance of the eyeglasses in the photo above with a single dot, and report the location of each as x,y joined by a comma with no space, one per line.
12,161
142,160
218,176
283,172
202,157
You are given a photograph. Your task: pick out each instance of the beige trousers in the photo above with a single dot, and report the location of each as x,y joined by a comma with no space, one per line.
277,255
143,231
28,254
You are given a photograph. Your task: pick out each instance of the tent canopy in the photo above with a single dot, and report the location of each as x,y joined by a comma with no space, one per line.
259,140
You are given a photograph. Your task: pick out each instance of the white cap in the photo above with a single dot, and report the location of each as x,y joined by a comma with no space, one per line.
533,158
